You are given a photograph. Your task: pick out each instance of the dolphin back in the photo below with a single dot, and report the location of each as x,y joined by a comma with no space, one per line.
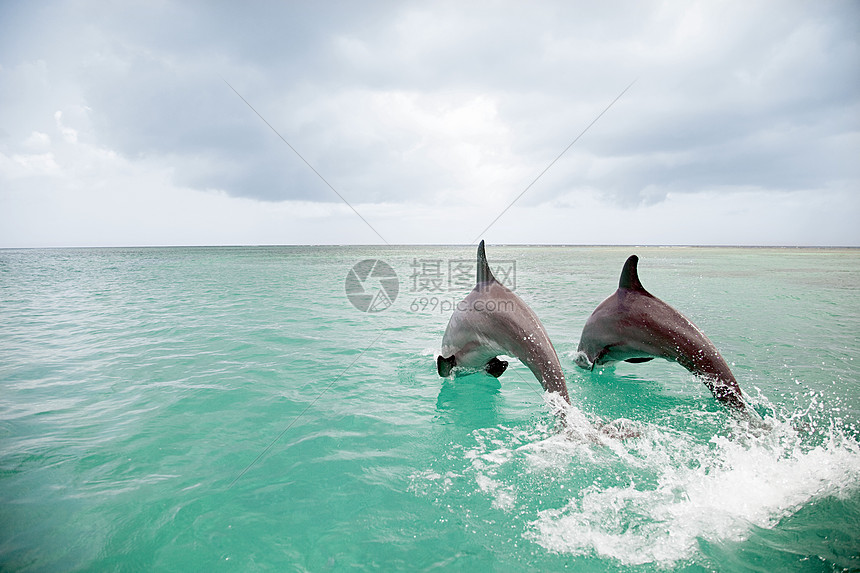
635,326
492,320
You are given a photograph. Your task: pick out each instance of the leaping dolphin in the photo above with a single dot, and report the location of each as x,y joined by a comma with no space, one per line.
635,326
491,321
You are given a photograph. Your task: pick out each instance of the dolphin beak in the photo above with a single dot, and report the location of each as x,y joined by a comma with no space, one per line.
583,362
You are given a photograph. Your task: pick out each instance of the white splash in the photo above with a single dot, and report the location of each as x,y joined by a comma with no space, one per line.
716,491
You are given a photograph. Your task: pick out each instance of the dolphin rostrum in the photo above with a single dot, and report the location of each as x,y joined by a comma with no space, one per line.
635,326
491,321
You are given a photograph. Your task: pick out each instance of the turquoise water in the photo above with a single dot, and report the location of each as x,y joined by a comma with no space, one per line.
204,409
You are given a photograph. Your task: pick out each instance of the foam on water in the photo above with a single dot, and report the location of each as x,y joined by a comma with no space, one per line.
672,490
716,492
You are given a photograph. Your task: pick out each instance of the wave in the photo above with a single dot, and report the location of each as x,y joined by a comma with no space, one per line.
654,498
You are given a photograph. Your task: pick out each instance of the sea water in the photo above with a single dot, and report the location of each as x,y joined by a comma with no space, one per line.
230,409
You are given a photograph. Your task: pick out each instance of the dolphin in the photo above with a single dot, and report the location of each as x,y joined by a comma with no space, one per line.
492,320
635,326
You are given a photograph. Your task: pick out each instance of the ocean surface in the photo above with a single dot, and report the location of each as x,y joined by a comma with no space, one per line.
234,409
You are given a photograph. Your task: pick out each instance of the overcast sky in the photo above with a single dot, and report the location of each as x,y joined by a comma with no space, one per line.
118,126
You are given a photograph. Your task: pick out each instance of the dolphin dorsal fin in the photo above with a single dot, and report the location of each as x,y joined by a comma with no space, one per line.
485,275
630,275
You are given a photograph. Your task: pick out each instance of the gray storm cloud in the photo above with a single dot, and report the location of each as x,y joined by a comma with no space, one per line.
398,103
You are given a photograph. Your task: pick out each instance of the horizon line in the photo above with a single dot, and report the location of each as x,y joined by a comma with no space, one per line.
397,245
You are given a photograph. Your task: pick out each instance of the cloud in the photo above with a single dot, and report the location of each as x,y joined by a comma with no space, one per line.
69,134
410,109
37,141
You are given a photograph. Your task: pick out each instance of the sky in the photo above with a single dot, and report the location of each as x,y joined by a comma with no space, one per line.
215,123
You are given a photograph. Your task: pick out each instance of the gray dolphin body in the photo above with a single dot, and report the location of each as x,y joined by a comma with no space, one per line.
635,326
491,321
